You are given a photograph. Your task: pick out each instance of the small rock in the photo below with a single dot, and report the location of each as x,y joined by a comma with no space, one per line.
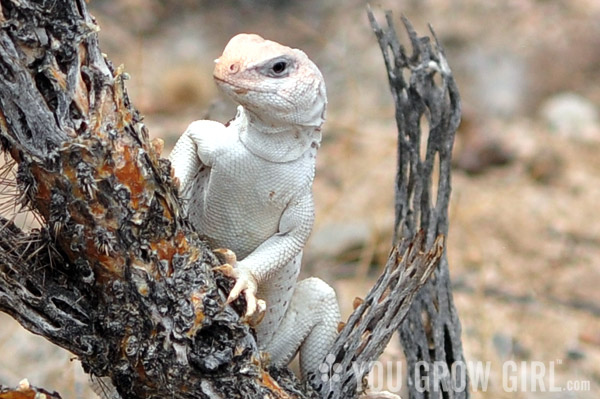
571,115
477,149
508,346
503,344
575,354
545,167
481,156
334,239
503,95
591,338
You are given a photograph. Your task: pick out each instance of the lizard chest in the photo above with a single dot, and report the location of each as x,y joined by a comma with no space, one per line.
257,184
240,201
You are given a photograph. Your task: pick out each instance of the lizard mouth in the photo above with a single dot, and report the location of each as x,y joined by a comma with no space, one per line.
238,89
241,90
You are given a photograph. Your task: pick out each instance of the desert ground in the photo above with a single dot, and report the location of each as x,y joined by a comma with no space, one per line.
524,239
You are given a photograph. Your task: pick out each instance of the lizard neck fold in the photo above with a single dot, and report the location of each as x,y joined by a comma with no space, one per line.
280,144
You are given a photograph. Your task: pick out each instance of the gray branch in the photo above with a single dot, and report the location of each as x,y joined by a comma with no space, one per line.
421,225
371,325
431,331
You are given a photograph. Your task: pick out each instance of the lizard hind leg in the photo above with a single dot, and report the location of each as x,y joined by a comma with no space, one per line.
309,326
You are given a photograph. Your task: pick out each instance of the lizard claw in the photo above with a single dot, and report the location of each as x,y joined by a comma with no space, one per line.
228,257
244,283
259,315
176,182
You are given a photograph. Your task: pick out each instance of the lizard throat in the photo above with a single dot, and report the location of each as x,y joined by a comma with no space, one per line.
275,144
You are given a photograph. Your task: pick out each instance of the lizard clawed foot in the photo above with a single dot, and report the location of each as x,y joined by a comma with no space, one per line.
244,283
259,313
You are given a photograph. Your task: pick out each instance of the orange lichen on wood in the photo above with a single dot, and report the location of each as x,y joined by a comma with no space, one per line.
183,246
98,210
198,304
26,391
112,263
128,173
164,249
167,213
58,75
104,114
3,124
273,386
26,394
42,195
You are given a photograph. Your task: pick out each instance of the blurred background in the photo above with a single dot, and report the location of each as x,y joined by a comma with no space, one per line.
524,241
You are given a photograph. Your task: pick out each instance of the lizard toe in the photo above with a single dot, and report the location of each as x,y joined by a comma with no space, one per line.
227,270
227,255
259,314
244,283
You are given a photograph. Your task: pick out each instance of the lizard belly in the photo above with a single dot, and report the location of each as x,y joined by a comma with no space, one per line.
239,228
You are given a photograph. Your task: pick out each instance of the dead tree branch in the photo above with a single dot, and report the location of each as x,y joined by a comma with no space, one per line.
371,325
426,103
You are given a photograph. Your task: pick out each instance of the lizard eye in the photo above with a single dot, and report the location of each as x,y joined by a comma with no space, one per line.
279,67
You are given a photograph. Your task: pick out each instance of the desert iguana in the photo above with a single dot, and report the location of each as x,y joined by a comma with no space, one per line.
247,186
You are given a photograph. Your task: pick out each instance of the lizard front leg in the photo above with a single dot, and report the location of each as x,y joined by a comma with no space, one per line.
194,152
277,254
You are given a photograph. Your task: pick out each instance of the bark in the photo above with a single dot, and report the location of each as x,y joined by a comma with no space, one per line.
427,103
115,274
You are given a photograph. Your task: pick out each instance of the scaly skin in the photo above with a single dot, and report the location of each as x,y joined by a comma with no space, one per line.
248,187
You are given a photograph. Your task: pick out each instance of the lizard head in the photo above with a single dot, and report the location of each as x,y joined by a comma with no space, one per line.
277,84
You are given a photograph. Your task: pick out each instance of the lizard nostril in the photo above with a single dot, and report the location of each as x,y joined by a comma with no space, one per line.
233,68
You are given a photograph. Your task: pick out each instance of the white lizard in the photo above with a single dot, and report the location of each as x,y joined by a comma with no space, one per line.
248,187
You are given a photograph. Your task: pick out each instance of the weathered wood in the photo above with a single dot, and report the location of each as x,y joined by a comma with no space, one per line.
430,335
371,325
